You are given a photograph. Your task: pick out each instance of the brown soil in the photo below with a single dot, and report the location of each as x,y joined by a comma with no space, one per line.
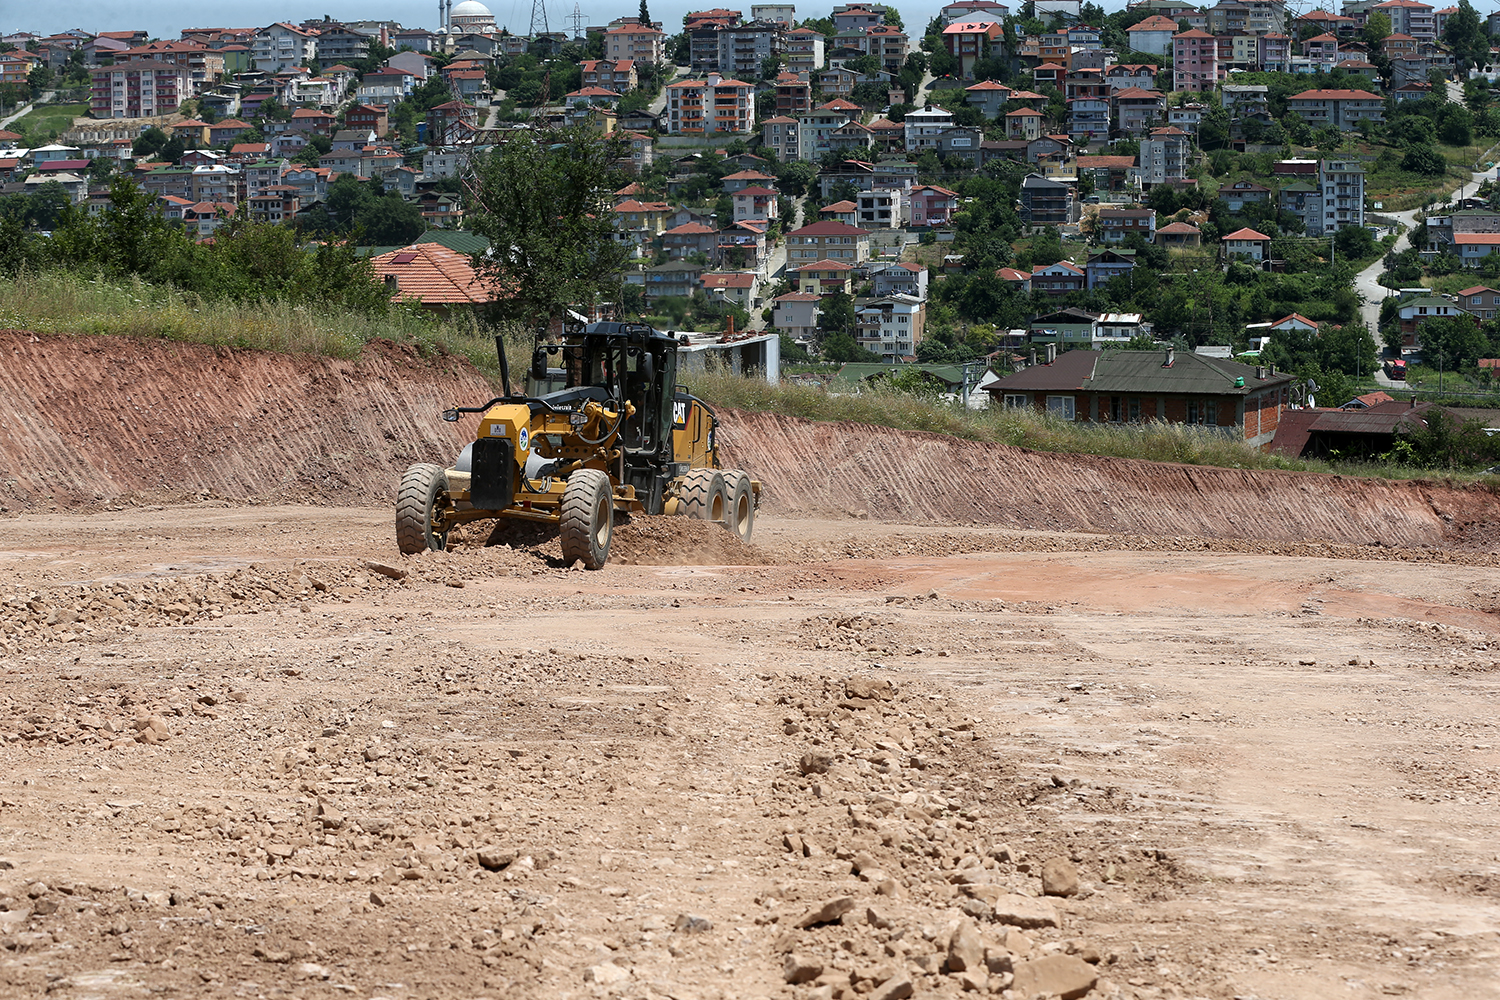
248,750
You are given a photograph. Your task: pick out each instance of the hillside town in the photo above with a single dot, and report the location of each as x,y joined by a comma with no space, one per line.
995,187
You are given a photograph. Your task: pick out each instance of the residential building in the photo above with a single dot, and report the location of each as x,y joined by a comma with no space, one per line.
1481,302
618,75
902,278
1165,156
282,46
963,142
1341,109
1242,193
753,203
974,10
275,204
375,117
711,106
881,208
782,13
1140,386
970,41
1248,244
923,126
840,211
1473,248
741,179
1153,35
891,326
633,40
1409,17
1059,278
1341,185
1139,111
385,86
1105,265
932,205
744,47
1088,119
793,94
779,135
816,127
828,240
802,51
796,315
1195,61
1047,202
139,88
1069,328
335,43
1413,312
825,277
1115,224
1023,124
676,279
689,238
1180,235
738,288
988,97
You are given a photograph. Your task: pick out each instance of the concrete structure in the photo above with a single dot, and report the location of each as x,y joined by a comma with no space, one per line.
891,326
970,41
1341,109
140,88
711,106
1195,61
828,241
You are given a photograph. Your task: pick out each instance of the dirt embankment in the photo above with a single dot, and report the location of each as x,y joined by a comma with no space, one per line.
88,421
91,419
855,469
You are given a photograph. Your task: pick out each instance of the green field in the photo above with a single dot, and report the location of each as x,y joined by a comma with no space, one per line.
49,120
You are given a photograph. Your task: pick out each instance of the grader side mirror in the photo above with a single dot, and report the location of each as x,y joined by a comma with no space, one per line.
539,364
648,368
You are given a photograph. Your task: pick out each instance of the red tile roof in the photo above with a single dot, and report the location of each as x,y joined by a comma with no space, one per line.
434,274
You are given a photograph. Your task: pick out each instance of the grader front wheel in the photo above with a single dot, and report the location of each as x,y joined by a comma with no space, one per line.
740,513
422,492
588,519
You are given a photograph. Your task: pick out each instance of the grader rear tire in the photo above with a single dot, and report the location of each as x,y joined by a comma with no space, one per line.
422,490
740,512
704,495
588,519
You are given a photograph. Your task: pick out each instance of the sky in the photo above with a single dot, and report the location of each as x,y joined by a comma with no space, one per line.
166,18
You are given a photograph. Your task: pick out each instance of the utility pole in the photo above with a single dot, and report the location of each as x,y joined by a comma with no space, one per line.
538,19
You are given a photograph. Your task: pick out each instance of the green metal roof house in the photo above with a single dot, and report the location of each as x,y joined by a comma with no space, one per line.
1130,387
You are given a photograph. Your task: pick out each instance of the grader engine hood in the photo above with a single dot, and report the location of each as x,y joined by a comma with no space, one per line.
511,421
500,452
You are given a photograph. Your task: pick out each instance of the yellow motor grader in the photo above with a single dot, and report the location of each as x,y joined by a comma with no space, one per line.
603,428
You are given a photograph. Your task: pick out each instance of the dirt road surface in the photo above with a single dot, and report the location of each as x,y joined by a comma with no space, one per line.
1275,776
1066,733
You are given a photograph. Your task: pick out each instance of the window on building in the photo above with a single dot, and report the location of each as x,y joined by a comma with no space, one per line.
1016,401
1061,406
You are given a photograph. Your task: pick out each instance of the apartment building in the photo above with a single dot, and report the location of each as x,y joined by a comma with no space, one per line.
140,88
711,106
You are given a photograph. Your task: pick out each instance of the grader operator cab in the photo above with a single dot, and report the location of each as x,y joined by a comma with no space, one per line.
603,429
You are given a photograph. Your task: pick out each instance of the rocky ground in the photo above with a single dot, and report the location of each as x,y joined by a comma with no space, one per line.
250,751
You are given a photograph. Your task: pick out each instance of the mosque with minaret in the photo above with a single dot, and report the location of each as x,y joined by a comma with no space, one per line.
467,17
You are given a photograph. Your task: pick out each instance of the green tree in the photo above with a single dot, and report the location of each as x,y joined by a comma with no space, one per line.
1456,127
1425,160
1377,29
1354,242
544,201
390,220
1466,37
836,313
843,348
